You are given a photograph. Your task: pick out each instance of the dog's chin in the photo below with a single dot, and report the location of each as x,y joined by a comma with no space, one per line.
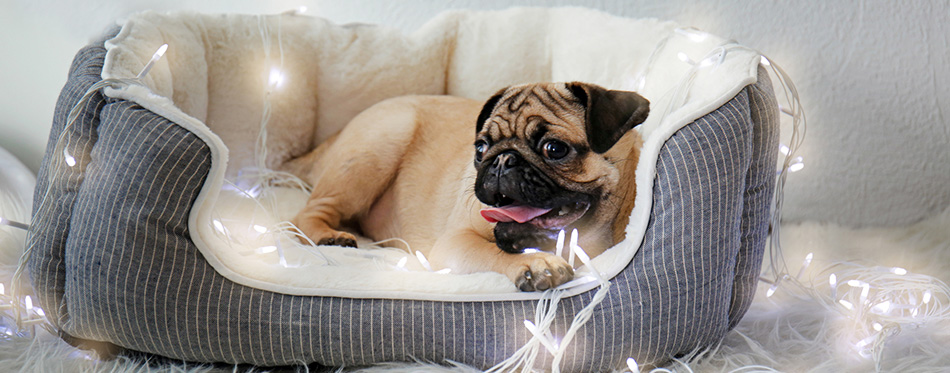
540,232
561,217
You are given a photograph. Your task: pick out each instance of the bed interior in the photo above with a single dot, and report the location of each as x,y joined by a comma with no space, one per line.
264,89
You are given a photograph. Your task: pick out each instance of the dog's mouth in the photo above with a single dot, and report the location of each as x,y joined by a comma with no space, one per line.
544,218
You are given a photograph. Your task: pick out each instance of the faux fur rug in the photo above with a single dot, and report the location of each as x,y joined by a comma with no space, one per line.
793,330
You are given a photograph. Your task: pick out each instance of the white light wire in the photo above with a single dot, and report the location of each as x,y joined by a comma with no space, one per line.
794,109
285,229
56,163
545,313
878,302
262,176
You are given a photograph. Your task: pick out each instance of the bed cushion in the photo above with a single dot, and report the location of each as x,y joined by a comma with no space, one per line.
115,257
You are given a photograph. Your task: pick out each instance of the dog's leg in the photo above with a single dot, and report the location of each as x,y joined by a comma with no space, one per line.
353,169
466,251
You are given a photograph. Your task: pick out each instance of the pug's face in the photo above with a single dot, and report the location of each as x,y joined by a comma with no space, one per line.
539,157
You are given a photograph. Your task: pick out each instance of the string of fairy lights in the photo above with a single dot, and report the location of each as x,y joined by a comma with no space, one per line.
19,307
878,300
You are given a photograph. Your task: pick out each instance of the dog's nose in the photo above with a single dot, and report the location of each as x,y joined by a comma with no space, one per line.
506,160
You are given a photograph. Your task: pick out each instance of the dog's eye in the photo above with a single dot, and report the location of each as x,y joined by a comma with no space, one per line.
554,149
480,147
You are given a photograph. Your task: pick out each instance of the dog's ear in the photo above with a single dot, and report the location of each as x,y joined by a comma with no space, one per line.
488,108
610,114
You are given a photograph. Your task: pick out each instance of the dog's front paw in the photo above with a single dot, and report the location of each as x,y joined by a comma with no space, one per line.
338,239
539,271
320,233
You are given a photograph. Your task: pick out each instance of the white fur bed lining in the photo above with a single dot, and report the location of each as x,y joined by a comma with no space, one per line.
684,73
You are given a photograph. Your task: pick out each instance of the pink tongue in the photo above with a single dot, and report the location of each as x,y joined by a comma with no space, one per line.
510,213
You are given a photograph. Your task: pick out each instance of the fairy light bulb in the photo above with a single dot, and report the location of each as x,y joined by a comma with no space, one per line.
765,61
864,342
833,282
899,271
70,160
296,11
797,164
155,57
697,36
402,262
573,247
29,303
276,78
846,304
281,258
160,52
260,229
560,243
218,226
883,307
694,35
685,58
423,260
266,249
632,365
708,61
582,255
805,265
253,192
927,296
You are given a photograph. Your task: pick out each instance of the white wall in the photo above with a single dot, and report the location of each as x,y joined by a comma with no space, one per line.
872,75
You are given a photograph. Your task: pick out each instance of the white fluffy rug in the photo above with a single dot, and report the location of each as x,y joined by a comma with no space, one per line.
796,329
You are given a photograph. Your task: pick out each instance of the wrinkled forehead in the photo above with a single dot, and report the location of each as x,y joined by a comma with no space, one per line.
531,110
554,96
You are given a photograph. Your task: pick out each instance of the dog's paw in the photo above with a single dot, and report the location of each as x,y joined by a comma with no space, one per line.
320,233
539,271
338,239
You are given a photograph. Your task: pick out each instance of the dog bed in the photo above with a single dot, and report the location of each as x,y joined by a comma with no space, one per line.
158,229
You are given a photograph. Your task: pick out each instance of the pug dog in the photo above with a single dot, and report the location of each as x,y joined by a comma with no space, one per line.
472,184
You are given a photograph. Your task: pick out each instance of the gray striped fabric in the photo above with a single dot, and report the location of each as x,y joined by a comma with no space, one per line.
112,259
